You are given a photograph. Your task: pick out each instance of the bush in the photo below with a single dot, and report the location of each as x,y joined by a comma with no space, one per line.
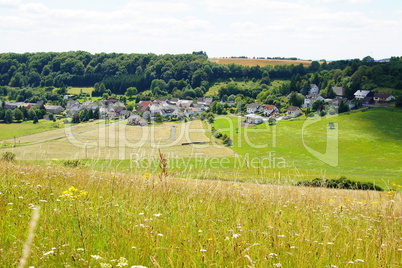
72,163
8,156
341,183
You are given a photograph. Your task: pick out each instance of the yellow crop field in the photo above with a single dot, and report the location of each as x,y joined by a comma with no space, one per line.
260,62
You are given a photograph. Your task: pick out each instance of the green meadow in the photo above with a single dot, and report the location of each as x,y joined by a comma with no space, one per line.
364,145
9,131
65,217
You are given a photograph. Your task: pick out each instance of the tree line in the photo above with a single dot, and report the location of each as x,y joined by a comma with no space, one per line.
182,75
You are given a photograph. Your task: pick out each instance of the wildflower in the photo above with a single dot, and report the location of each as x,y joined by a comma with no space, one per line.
147,175
374,203
359,260
236,185
138,266
160,234
73,193
330,243
236,235
273,255
277,264
122,262
105,265
96,257
203,250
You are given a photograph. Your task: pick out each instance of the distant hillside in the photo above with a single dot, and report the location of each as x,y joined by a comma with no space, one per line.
260,62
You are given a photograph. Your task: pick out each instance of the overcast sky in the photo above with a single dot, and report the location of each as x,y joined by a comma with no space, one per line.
307,29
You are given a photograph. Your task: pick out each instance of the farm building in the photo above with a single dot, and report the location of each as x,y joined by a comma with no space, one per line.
254,119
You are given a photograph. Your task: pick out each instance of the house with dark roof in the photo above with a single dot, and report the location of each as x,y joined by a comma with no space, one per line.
383,97
253,108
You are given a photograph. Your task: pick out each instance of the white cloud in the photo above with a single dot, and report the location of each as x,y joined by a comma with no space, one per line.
300,28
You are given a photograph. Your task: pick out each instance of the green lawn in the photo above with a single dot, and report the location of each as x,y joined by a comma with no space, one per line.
8,131
79,90
363,146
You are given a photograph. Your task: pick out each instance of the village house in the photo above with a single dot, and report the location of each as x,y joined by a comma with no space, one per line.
361,94
293,111
253,108
184,103
54,109
368,100
144,106
339,91
383,97
270,110
310,99
205,101
137,120
254,119
313,89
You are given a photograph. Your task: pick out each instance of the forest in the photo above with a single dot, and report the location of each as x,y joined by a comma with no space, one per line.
151,76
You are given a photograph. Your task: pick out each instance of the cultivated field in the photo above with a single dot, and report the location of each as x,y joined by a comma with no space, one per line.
62,217
260,62
99,141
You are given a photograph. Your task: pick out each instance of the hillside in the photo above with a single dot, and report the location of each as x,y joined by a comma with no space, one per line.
83,218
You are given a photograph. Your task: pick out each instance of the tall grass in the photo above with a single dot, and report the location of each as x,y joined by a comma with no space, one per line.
113,220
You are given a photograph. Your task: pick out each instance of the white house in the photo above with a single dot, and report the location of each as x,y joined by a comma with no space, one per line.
310,99
313,89
361,94
293,111
253,108
270,110
254,119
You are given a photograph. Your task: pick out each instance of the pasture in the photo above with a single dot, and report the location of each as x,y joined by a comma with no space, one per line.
22,129
364,145
54,217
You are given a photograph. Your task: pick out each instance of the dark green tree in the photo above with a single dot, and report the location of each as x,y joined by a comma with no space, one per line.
8,117
18,115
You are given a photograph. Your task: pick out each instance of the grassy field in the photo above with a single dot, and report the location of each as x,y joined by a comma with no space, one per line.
79,90
365,145
82,218
19,130
261,62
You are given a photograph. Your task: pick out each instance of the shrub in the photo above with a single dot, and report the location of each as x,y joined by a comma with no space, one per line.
72,163
8,156
341,183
